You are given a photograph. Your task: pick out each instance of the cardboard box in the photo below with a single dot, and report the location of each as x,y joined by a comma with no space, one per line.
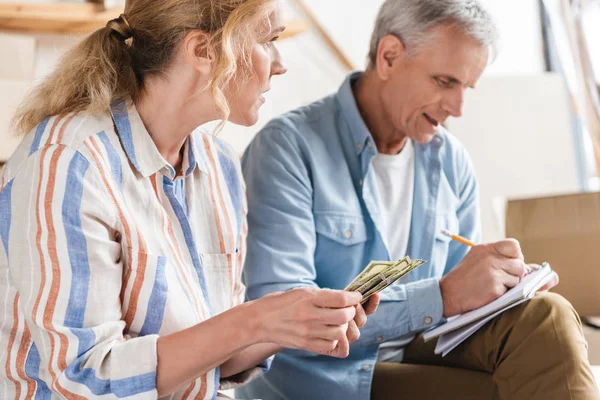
565,231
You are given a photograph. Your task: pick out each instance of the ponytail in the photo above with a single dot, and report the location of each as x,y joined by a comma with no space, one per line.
88,78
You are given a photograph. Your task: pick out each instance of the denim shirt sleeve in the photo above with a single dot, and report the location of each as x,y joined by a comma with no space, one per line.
282,240
281,237
468,212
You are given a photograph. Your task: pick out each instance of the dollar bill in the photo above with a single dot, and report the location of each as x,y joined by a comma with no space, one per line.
379,275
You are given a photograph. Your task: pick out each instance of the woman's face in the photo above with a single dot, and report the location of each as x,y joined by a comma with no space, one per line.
245,92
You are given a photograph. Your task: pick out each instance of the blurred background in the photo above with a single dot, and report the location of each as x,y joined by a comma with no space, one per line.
532,127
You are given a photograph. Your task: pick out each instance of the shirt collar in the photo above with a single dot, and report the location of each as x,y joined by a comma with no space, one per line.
358,129
360,134
141,149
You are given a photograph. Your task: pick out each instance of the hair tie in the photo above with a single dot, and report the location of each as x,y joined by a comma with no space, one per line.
120,26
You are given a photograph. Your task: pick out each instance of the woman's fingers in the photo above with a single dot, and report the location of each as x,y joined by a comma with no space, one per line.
353,333
336,298
333,316
372,304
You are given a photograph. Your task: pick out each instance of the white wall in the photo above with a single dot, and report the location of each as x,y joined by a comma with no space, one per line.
314,73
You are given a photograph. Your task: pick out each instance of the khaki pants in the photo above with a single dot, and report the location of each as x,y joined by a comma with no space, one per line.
533,351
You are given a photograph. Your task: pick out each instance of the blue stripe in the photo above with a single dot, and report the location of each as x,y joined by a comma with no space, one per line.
41,128
217,382
158,299
113,160
191,158
80,270
232,178
187,232
119,387
5,214
76,243
32,370
119,111
180,194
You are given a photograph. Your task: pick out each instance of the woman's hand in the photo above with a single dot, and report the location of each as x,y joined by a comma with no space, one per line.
309,319
360,319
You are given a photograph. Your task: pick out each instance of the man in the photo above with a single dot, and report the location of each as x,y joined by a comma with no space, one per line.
369,174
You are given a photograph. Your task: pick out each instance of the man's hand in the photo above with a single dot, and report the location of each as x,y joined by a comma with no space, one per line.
485,274
552,283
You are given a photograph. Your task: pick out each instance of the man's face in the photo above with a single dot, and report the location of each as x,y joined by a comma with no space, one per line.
424,89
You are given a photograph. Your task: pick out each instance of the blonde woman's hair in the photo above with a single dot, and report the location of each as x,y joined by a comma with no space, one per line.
114,62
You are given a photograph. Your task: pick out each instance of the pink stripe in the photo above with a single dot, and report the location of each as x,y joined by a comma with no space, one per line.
11,342
54,283
141,256
211,158
21,359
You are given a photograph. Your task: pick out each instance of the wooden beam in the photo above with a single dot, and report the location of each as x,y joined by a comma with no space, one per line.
329,41
77,18
55,17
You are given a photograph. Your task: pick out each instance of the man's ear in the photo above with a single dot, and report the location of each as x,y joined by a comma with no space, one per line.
391,50
197,51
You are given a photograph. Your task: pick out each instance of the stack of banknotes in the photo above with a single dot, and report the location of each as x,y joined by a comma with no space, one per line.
378,275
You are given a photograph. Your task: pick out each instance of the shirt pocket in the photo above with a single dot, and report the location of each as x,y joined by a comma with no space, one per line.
441,243
222,273
341,241
345,230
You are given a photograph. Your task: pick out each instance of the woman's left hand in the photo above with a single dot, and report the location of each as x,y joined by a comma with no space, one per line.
361,317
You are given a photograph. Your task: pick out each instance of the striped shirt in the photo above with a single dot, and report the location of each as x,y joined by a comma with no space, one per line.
103,248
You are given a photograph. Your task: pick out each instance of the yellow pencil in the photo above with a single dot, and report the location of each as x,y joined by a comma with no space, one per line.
459,239
467,242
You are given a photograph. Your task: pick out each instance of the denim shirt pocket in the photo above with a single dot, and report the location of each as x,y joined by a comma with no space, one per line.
340,248
346,230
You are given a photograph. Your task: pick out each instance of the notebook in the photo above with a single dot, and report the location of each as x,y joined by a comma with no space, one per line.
458,328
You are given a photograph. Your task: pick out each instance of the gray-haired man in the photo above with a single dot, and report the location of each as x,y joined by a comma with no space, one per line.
369,174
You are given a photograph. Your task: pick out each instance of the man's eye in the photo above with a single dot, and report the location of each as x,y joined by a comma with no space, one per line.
443,82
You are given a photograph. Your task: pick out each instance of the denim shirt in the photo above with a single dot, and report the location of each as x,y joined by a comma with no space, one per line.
313,222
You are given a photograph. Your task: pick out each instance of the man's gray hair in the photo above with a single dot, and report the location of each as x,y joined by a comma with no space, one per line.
412,20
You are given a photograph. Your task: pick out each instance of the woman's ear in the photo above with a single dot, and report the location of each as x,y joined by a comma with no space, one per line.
198,53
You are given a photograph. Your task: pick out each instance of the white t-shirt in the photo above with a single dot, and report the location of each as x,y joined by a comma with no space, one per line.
395,181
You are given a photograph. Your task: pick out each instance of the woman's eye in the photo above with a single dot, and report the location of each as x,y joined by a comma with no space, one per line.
271,42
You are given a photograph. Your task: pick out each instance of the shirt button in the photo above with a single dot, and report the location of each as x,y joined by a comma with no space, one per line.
370,144
379,339
359,146
361,182
366,367
428,320
348,234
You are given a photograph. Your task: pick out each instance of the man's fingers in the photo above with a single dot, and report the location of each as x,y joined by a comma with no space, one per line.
508,248
510,281
515,267
553,282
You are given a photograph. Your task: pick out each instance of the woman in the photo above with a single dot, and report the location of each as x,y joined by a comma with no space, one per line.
123,233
